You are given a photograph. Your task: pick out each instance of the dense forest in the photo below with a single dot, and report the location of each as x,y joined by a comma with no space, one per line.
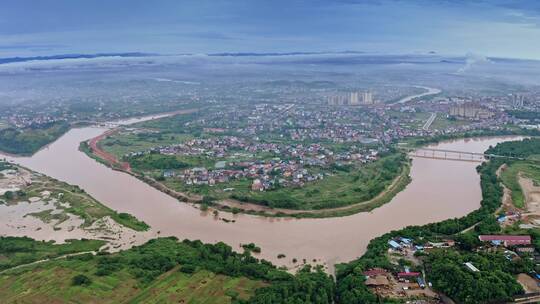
524,149
494,282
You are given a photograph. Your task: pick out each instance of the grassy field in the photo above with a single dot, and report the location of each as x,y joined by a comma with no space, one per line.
120,280
126,142
341,189
510,178
152,133
200,287
418,119
51,283
376,202
442,123
411,120
16,251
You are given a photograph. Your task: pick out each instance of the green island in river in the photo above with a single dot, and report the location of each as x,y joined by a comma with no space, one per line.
28,140
266,176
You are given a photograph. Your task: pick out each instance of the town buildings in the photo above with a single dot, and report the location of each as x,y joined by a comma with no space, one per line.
353,98
470,110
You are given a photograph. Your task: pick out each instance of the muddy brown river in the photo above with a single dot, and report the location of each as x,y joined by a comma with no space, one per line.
440,189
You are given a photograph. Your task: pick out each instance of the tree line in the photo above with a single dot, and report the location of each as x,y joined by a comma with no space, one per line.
445,269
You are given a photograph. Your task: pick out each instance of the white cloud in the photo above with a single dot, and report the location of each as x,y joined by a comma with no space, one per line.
471,60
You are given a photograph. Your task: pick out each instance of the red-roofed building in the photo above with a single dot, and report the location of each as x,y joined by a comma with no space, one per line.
375,272
508,240
257,185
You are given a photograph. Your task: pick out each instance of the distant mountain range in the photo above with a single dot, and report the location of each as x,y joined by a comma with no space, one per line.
281,54
364,57
140,54
73,56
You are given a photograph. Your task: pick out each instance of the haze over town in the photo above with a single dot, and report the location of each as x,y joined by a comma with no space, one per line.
346,151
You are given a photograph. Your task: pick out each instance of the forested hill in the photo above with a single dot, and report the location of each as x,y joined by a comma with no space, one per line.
29,140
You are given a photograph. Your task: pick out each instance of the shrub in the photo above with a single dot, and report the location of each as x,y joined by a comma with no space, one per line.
80,280
188,268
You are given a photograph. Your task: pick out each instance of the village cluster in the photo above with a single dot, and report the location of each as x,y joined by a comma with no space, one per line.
267,165
409,281
291,144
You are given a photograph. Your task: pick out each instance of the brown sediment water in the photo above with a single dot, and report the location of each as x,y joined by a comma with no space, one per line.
440,189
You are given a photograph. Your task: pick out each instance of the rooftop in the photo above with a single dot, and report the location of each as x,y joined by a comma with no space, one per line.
504,238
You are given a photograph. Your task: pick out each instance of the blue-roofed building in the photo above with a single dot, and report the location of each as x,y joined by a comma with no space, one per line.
406,240
496,242
421,282
168,173
394,244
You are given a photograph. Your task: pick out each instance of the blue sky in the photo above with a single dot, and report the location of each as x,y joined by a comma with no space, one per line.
502,28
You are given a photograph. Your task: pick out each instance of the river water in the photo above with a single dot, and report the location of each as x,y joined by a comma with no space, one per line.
440,189
430,91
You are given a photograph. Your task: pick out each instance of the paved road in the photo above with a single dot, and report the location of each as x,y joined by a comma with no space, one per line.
429,121
46,260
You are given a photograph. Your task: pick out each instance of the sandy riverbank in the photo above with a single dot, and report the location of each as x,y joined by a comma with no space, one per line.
45,216
531,192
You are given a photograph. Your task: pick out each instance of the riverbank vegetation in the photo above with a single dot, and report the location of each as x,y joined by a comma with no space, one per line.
509,131
29,140
511,174
65,199
529,167
495,281
386,196
86,207
166,270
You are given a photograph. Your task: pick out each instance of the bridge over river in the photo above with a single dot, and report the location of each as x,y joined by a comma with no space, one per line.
454,154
